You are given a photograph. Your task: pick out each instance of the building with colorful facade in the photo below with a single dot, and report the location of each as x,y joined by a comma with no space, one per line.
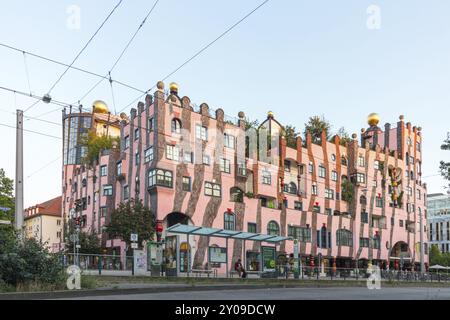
353,203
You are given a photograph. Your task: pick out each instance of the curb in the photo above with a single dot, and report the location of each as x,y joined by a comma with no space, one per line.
114,292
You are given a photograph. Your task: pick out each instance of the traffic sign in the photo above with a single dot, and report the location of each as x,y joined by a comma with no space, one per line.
78,246
74,237
134,245
134,237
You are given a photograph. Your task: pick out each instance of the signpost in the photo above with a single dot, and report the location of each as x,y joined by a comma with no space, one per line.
296,259
134,245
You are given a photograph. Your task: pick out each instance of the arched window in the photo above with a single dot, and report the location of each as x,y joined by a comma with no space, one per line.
176,126
323,238
236,195
344,238
229,221
376,241
344,161
273,229
290,188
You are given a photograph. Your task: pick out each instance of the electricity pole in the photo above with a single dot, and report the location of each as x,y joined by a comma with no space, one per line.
19,174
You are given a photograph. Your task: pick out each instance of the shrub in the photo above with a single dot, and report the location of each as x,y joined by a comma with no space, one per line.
28,262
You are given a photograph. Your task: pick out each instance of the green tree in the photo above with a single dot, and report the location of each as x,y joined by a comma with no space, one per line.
28,261
290,134
343,135
316,125
96,144
129,218
6,197
89,241
435,255
445,166
251,124
348,190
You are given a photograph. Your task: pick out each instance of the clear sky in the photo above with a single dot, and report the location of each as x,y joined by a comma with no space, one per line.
296,58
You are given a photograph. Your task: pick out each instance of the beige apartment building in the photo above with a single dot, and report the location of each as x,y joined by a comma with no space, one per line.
44,223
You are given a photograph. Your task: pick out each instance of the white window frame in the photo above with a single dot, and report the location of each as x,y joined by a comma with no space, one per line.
201,132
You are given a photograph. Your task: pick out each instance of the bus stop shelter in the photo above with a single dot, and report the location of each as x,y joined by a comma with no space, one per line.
181,229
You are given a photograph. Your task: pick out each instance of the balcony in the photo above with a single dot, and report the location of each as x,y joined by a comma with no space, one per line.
121,177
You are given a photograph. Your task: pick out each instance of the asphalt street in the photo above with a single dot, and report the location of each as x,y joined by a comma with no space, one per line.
292,294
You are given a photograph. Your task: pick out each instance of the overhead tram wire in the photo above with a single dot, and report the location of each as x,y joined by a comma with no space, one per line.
199,52
38,98
71,67
86,45
31,131
27,72
108,76
79,54
44,167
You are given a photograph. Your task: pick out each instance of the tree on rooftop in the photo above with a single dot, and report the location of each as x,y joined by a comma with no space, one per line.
251,124
343,135
315,126
96,144
291,134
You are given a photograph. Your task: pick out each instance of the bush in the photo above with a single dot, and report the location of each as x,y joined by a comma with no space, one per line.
28,262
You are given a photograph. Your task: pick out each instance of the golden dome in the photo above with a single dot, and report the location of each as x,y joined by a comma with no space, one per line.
270,114
174,87
100,107
373,119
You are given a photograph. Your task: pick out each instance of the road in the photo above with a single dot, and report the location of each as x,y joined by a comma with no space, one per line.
292,294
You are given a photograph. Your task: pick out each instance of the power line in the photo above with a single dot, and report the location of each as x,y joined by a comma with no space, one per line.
71,67
43,168
27,71
59,103
121,54
86,45
33,118
31,131
200,51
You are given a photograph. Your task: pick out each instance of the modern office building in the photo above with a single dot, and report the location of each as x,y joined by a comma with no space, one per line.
350,202
438,221
44,223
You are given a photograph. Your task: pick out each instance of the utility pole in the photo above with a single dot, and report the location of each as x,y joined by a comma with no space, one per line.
422,247
19,173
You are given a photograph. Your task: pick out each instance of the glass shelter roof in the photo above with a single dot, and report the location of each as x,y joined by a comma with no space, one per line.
221,233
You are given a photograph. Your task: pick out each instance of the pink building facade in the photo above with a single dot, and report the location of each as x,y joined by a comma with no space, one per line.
353,204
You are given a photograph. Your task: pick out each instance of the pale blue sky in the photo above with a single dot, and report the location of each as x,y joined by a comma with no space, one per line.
297,58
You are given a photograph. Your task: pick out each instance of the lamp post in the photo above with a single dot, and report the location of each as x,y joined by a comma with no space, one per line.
422,247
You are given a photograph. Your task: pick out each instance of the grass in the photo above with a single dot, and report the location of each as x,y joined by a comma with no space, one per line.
31,287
